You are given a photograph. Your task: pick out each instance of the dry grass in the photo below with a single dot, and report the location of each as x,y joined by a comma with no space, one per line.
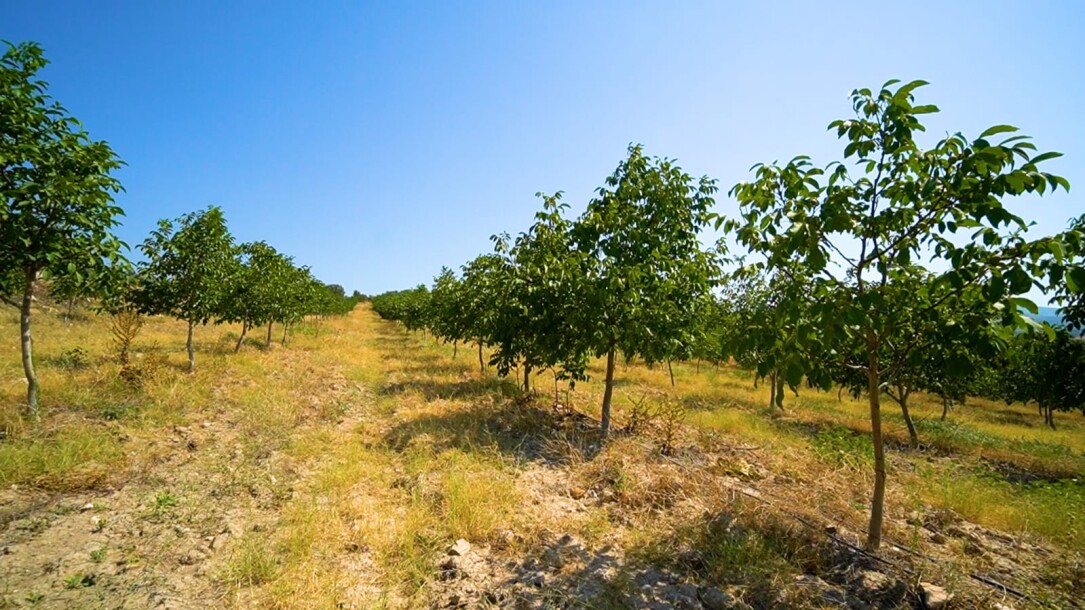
396,450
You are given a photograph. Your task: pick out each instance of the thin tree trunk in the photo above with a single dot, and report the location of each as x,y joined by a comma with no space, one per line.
772,389
481,365
27,345
191,349
68,316
945,407
608,394
779,391
913,436
241,339
527,377
455,348
877,503
671,371
269,334
286,327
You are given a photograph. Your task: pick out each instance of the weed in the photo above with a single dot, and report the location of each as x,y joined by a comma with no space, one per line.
841,446
75,359
125,326
79,580
34,598
164,501
251,564
98,555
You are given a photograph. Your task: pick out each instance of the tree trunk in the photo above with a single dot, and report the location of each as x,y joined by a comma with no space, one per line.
671,371
527,378
779,391
945,407
913,436
269,334
286,327
481,365
27,345
772,389
608,394
191,349
877,503
455,348
241,339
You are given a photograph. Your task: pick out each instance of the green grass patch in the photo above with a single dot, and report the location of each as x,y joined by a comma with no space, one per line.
71,458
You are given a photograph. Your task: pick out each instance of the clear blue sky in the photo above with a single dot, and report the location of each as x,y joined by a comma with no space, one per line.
377,142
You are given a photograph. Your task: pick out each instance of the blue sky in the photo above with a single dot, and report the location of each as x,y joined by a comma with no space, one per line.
376,142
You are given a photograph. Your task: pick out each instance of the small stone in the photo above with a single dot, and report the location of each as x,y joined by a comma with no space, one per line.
934,597
87,506
460,548
218,541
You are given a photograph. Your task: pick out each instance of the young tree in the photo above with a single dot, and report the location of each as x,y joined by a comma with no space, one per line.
299,298
861,224
483,300
542,294
57,212
646,275
759,333
190,262
257,289
446,309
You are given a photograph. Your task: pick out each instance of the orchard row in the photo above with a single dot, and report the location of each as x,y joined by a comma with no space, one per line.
896,268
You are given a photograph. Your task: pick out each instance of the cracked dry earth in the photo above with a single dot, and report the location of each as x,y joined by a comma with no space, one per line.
352,445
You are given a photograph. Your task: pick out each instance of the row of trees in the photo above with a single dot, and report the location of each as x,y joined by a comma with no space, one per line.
628,276
57,216
195,272
893,269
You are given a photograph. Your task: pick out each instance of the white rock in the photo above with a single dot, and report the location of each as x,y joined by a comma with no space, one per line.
934,597
460,548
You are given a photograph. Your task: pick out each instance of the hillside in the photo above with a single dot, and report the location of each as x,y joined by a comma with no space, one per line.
345,469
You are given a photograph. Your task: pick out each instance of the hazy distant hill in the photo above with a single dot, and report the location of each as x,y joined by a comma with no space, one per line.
1049,315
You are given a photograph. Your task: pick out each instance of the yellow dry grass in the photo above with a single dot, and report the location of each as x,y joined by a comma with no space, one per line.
417,449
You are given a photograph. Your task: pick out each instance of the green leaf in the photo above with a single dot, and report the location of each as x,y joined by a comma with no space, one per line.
1026,304
1020,281
1045,156
997,129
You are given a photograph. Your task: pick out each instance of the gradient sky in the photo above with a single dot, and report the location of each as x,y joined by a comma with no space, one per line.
376,142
